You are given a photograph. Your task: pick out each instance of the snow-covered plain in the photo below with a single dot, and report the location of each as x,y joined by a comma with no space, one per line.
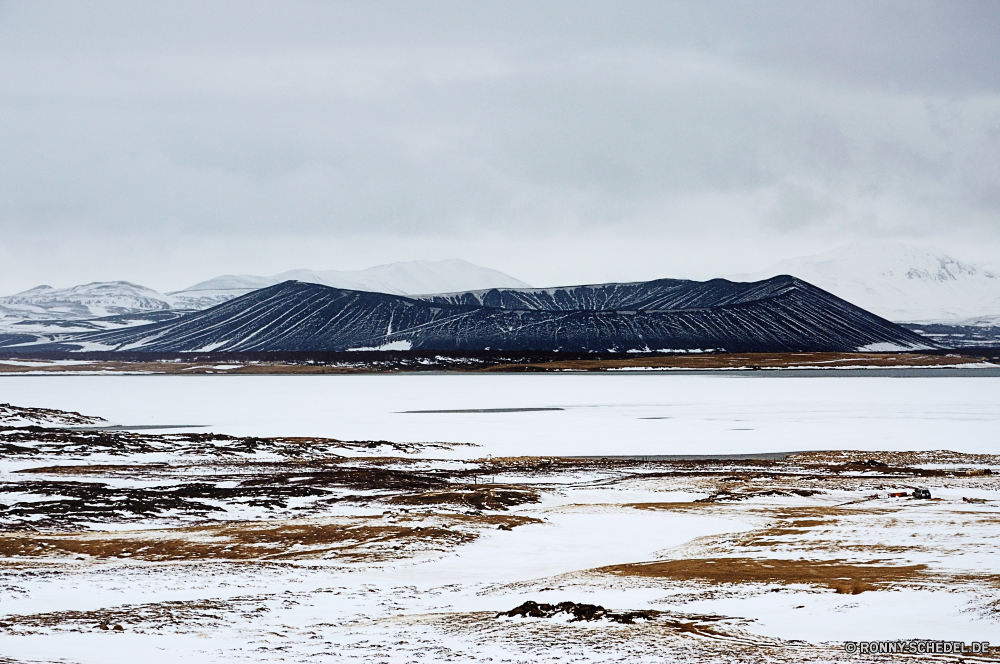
603,414
407,598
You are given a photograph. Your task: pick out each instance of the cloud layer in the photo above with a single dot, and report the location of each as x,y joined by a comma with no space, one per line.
559,141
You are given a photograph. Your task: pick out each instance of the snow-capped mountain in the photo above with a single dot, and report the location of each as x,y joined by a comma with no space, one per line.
123,298
94,300
982,321
898,281
406,278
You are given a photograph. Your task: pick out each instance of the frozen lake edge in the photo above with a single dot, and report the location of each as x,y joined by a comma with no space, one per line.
582,414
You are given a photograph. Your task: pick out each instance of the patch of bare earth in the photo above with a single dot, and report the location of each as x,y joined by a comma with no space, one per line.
843,577
20,414
356,539
748,361
485,497
178,616
460,364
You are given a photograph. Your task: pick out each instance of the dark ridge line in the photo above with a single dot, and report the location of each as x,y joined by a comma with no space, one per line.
138,427
479,410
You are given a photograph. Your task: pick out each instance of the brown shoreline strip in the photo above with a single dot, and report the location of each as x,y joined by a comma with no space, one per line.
777,456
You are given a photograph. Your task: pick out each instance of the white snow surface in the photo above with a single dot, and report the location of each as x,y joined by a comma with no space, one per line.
45,363
887,347
93,300
405,278
604,414
983,321
398,612
355,607
392,345
901,282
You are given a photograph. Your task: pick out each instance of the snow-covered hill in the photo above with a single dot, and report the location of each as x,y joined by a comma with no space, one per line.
123,298
94,300
407,278
900,282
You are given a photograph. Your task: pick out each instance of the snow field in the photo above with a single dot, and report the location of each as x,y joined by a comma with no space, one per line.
439,602
619,414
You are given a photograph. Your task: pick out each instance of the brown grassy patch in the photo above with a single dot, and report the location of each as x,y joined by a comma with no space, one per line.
745,361
898,459
95,469
361,538
845,578
478,498
652,507
709,361
171,614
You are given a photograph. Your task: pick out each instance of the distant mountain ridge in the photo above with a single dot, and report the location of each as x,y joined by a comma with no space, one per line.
409,278
776,315
117,298
94,300
900,282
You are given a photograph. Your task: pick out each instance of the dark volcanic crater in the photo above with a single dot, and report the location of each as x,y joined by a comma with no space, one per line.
782,314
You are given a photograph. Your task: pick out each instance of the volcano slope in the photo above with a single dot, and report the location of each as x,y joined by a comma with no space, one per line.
782,314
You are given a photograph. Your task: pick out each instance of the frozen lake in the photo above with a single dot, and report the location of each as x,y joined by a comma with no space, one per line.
590,414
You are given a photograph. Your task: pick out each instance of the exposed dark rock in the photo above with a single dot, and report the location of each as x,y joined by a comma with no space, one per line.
588,612
782,314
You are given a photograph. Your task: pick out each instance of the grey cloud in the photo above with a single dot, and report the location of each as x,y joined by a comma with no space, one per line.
408,120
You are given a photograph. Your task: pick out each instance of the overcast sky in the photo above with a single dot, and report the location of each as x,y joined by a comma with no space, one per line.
561,142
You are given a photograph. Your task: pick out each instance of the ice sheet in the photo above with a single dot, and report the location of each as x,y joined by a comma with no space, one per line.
602,414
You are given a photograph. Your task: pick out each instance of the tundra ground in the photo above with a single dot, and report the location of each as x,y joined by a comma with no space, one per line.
117,546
